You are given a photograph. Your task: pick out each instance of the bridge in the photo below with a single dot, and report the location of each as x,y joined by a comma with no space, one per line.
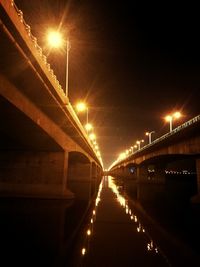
149,164
45,151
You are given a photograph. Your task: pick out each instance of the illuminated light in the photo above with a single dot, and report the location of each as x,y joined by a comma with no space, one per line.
126,210
83,251
94,212
98,153
88,127
168,118
96,147
139,228
81,106
135,218
150,245
92,136
97,201
131,217
91,220
177,115
88,232
143,230
122,156
54,39
130,211
156,250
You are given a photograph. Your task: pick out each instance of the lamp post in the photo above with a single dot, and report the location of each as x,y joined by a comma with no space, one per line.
170,118
67,68
149,135
55,40
139,142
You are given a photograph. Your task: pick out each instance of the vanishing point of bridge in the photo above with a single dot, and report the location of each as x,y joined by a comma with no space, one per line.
45,151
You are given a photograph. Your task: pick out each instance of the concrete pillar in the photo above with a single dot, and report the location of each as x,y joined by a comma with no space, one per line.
142,173
96,176
34,174
79,180
198,174
196,199
159,174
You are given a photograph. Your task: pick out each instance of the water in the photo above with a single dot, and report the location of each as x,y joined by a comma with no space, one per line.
38,232
127,224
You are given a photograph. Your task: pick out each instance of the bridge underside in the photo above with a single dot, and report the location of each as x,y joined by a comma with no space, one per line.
37,132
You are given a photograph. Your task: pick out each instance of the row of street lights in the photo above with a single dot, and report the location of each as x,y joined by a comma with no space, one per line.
81,107
55,40
168,118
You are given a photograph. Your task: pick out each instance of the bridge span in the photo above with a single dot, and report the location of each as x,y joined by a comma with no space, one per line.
181,147
44,149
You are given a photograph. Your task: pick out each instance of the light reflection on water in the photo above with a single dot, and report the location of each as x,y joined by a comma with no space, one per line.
149,243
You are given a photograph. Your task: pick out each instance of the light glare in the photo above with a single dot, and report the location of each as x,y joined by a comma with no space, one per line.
55,39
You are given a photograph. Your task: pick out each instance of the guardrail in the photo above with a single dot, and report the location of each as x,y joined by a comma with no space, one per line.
163,137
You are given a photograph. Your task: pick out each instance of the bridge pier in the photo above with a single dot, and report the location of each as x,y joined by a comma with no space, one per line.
34,174
142,173
151,173
83,179
196,198
159,173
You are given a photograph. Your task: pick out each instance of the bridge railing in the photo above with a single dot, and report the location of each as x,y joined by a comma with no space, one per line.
36,45
57,86
163,137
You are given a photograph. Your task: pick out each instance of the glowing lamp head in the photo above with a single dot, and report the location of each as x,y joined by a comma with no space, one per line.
168,118
177,115
92,136
81,106
147,133
88,127
55,39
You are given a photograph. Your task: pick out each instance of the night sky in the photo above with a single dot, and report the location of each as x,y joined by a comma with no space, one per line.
133,63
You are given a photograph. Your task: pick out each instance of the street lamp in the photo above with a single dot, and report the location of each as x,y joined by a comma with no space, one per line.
149,134
82,107
139,142
88,127
55,40
92,136
169,118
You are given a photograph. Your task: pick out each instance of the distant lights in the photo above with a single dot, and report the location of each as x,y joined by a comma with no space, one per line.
83,251
88,232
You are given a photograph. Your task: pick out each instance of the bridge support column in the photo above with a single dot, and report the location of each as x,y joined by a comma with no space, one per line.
151,174
159,173
142,174
94,178
79,180
34,174
196,199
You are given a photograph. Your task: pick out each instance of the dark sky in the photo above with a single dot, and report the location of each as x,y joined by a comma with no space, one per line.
132,62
